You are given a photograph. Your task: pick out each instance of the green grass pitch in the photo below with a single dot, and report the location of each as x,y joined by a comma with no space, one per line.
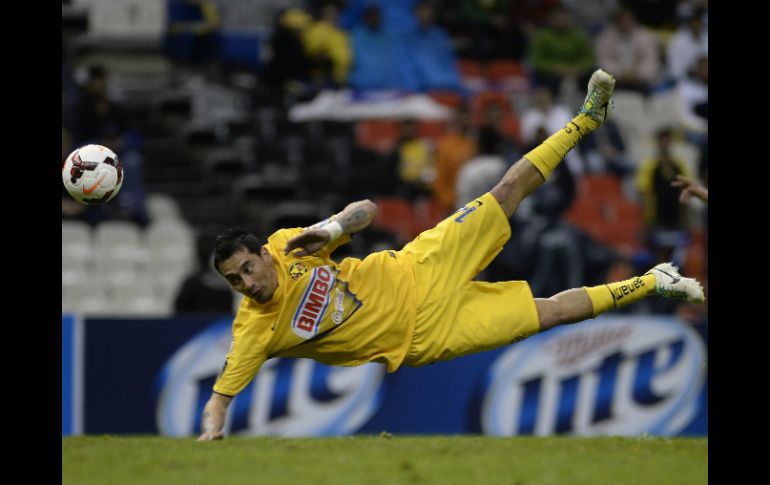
372,460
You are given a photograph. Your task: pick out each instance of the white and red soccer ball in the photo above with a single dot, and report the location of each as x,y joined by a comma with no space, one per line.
92,174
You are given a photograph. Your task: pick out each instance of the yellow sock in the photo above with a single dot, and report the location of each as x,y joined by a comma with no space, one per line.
621,293
546,156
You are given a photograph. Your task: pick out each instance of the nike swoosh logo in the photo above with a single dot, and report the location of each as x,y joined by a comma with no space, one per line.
88,190
674,280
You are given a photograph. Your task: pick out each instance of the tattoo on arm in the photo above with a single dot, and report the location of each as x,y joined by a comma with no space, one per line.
354,219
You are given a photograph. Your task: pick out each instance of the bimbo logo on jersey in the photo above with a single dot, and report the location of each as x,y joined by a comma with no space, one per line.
314,303
612,376
289,397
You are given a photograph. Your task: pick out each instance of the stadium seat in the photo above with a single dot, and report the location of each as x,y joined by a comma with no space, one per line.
91,298
117,234
428,213
632,118
377,135
162,207
473,74
508,76
76,240
447,98
471,68
397,216
291,214
662,110
432,130
603,187
118,242
481,100
510,126
602,210
504,69
221,168
141,298
254,194
146,18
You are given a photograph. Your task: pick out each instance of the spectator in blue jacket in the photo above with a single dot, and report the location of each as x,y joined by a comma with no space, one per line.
432,52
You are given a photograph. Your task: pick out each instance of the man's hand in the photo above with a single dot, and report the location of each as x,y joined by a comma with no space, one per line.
355,217
310,241
216,435
690,188
214,417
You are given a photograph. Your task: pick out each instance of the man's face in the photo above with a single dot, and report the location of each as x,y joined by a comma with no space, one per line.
252,275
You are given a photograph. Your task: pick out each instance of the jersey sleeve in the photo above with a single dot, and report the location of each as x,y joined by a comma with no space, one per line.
244,359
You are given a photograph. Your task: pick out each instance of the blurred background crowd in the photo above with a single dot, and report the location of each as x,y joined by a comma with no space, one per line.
277,113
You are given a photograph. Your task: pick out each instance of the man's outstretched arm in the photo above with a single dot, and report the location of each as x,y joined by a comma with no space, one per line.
353,218
214,417
690,188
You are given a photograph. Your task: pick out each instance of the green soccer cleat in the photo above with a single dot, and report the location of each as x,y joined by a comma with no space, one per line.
598,104
670,284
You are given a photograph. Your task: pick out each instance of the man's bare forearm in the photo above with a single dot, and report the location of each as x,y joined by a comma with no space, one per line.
357,216
213,419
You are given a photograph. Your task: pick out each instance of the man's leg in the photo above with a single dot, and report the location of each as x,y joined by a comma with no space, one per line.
530,172
580,304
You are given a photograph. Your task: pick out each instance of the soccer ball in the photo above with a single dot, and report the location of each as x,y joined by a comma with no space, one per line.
92,174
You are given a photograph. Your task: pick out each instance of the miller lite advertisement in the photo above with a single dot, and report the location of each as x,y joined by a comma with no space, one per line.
614,375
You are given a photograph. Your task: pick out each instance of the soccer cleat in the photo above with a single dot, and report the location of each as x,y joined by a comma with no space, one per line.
670,284
598,103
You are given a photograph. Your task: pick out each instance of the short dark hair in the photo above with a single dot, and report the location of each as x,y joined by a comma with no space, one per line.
233,240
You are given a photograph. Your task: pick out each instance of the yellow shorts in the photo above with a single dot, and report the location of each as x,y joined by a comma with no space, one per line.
457,316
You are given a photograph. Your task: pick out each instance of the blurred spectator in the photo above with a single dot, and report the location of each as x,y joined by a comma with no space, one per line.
432,52
397,16
453,149
693,97
94,117
329,48
561,52
689,43
591,15
479,174
629,52
97,119
381,60
288,71
192,35
655,14
603,151
703,162
492,115
546,114
689,189
685,8
415,162
529,15
483,29
668,237
204,291
661,201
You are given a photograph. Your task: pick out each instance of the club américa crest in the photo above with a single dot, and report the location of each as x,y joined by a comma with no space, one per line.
296,270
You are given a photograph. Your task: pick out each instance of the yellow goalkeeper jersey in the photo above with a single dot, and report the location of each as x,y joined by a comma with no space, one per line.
338,314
